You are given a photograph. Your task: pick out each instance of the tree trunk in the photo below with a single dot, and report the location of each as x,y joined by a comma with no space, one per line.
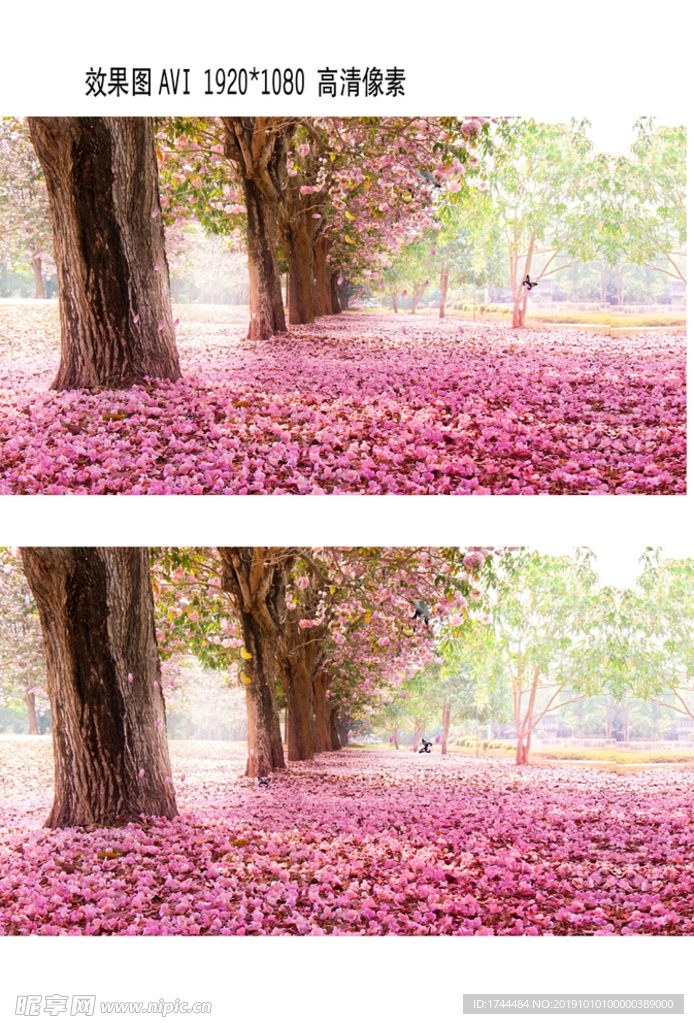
335,303
334,729
444,292
394,297
416,296
113,280
30,701
344,292
321,706
297,684
343,727
267,311
523,749
109,739
445,727
395,739
38,277
258,146
324,305
298,249
256,580
520,301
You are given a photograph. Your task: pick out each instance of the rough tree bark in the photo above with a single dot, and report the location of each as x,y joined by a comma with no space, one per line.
109,739
298,656
257,146
297,242
256,580
298,233
296,670
321,706
113,282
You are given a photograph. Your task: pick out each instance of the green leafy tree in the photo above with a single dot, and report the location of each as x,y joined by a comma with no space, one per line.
650,189
548,638
541,202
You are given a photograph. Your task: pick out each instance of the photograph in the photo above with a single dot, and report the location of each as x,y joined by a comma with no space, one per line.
266,741
408,757
341,305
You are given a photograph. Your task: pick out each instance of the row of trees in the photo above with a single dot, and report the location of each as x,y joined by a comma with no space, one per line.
331,201
328,629
311,186
329,635
550,203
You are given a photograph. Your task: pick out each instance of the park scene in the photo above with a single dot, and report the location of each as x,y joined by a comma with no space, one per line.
344,741
267,305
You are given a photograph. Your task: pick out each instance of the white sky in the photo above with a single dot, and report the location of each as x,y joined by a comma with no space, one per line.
618,566
612,133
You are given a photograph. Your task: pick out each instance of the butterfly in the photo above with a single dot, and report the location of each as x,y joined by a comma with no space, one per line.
426,746
264,783
528,283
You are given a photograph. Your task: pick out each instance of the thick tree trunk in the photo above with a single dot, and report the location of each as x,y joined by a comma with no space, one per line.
295,674
297,243
321,708
444,293
258,146
38,277
267,311
335,304
256,580
324,305
265,754
396,744
334,729
445,727
109,738
30,701
113,281
395,302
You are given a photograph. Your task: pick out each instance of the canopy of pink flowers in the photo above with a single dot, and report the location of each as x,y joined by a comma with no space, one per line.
358,842
356,403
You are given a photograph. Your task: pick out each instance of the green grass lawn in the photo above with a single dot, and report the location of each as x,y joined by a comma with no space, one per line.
593,319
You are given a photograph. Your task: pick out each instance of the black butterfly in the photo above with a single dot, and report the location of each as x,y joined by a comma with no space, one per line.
426,746
528,283
263,783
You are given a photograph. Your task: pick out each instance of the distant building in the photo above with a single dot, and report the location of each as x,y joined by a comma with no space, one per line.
685,729
678,293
